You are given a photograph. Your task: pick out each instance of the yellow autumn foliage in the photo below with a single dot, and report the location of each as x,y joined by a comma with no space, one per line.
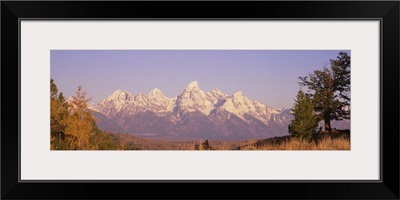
80,125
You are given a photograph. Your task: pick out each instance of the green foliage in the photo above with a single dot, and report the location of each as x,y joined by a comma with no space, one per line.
341,74
73,127
102,141
58,117
305,122
58,143
329,90
53,90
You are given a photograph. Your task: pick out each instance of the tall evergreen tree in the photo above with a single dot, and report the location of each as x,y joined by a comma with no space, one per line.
58,116
305,122
73,127
329,90
341,74
81,124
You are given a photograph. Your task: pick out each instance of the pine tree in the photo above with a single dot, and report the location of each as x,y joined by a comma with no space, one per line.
329,90
81,125
305,122
341,74
58,116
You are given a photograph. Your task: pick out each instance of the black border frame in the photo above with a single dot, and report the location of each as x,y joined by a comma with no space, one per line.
199,19
385,11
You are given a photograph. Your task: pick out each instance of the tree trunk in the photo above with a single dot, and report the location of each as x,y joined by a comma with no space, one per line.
327,118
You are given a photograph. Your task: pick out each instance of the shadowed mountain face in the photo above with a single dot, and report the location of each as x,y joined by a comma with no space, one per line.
107,124
193,114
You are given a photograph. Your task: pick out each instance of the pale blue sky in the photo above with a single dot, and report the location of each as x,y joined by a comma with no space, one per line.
269,76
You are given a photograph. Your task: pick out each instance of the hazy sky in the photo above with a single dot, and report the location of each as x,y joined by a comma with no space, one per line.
269,76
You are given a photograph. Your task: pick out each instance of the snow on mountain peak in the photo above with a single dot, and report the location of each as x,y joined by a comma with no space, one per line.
158,103
118,92
121,95
192,99
141,98
239,97
155,92
216,90
218,93
238,93
193,113
193,84
216,97
114,103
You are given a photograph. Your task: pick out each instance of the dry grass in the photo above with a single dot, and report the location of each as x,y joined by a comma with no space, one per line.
324,143
133,142
320,142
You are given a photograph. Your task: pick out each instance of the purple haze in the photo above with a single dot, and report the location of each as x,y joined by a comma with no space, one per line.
269,76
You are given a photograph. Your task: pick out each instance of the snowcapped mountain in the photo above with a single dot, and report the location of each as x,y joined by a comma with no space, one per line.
113,104
192,114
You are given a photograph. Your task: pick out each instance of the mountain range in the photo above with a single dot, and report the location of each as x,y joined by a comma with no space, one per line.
192,114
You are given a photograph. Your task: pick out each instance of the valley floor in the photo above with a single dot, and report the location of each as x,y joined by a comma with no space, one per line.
322,141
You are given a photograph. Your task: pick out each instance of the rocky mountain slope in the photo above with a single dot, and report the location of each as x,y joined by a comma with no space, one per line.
192,114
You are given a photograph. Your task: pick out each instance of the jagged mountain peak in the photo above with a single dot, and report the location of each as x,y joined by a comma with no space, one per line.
140,94
193,91
193,85
193,113
218,93
119,92
120,95
155,92
216,90
238,94
239,97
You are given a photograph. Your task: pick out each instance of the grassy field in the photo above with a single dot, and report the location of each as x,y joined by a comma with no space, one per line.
321,141
325,142
131,142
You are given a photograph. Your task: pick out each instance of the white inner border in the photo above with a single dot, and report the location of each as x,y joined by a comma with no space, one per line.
39,163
